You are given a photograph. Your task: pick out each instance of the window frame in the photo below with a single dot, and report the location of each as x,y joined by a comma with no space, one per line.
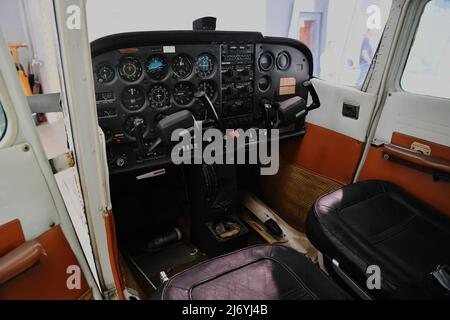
409,43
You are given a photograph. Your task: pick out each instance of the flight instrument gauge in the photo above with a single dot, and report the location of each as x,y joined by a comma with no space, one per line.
159,96
205,65
182,66
105,73
130,68
156,67
183,93
133,98
209,88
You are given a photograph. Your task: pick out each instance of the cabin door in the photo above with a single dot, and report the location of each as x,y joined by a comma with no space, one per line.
40,254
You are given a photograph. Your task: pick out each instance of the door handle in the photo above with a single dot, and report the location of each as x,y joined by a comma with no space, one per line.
391,151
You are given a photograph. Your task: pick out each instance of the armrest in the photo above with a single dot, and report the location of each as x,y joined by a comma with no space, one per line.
417,158
20,259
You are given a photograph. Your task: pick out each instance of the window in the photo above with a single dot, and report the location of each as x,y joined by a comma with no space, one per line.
342,35
427,70
2,122
106,17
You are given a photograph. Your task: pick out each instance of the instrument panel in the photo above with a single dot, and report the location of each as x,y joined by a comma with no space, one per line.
150,80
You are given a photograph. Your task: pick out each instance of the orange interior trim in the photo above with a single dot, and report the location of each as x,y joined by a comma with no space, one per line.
437,150
48,279
114,254
11,236
325,152
418,183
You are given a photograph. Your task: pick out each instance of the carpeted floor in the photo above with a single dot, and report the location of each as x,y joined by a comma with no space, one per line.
293,191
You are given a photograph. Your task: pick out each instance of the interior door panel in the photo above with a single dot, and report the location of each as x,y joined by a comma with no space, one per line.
420,116
324,152
330,114
48,278
30,203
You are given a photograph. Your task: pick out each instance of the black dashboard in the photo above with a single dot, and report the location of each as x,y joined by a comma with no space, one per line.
149,75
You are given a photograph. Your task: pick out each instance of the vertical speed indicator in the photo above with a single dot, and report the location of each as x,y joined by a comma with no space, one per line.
204,65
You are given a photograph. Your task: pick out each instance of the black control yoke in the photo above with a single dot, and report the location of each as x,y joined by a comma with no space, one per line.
285,113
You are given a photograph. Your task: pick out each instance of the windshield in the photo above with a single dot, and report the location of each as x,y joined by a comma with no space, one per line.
115,16
342,35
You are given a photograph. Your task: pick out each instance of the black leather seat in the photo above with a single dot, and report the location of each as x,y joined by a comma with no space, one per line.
260,272
378,223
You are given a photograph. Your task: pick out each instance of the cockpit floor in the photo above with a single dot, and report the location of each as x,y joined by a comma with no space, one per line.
167,259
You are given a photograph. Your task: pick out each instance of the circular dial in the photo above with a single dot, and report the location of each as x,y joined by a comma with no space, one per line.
209,88
105,73
156,67
182,66
205,65
265,61
283,61
129,125
183,93
133,98
159,96
264,83
130,68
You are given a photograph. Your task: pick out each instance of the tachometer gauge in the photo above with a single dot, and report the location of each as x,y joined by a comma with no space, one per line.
105,73
156,67
183,93
130,68
182,66
133,98
130,128
205,65
209,88
159,96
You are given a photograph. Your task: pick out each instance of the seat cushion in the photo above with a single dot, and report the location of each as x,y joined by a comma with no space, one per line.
378,223
259,272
